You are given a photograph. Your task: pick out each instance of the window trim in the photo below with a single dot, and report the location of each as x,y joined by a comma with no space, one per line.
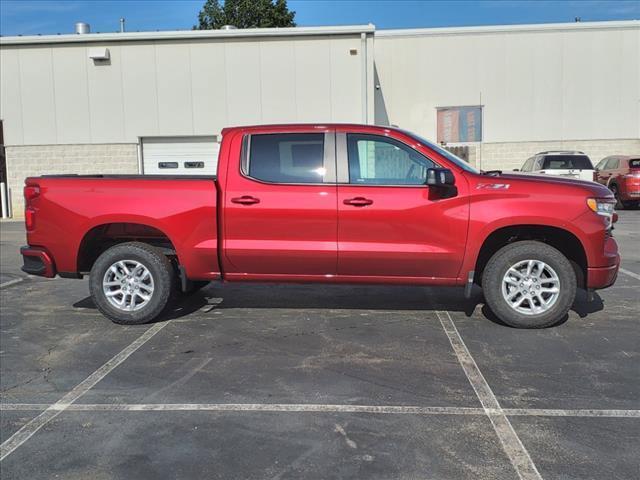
328,159
342,159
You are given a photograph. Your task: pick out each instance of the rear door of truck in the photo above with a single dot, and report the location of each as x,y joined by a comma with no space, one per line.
280,215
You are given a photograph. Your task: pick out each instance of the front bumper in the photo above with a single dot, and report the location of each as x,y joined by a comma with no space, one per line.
37,261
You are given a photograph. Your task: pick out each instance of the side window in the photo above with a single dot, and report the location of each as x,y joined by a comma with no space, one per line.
286,157
601,164
613,163
527,165
377,160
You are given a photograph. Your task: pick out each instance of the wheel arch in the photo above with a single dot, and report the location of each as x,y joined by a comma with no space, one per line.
561,239
105,235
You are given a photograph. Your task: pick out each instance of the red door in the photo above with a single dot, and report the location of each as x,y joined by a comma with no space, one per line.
280,213
389,223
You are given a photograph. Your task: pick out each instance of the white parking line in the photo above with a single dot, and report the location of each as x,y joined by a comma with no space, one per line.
511,443
321,408
631,274
11,282
22,435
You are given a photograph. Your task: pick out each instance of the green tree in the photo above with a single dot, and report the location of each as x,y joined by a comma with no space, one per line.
245,14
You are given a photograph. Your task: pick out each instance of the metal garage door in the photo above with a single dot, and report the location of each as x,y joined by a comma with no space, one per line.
180,155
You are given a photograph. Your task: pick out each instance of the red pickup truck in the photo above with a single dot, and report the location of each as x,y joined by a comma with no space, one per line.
325,203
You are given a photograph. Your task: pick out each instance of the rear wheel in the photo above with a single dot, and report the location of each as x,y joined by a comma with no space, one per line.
614,189
529,284
132,283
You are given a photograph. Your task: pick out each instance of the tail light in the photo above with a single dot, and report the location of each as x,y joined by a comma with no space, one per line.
31,192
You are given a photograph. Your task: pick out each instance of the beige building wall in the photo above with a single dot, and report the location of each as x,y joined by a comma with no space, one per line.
511,155
27,161
535,82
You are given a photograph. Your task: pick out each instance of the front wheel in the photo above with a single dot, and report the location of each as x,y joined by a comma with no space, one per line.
529,284
132,283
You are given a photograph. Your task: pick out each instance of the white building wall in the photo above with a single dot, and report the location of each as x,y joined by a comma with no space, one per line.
55,94
537,83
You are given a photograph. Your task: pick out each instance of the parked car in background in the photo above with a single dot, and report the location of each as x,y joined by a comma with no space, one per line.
621,173
571,164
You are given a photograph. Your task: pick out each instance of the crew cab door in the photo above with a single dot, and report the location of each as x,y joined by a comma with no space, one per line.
280,214
390,224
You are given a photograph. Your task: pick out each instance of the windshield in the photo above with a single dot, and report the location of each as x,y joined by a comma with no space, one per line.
565,162
445,153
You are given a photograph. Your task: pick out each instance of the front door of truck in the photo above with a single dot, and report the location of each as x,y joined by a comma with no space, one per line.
390,224
280,216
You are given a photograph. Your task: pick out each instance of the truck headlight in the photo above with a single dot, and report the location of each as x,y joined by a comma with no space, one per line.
602,206
605,208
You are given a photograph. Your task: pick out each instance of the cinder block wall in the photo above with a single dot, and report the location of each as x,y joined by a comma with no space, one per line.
27,161
507,156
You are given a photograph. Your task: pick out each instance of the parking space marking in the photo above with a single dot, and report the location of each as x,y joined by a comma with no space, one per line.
306,407
52,411
11,282
511,443
631,274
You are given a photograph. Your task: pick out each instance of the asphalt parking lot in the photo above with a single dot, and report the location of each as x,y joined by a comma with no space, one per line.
273,381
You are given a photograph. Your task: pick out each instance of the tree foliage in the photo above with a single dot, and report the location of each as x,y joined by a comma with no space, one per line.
245,14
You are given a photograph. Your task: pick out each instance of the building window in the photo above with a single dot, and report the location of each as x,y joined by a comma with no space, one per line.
459,124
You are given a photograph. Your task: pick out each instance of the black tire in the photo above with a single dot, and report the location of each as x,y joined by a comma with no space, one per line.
163,282
614,189
510,255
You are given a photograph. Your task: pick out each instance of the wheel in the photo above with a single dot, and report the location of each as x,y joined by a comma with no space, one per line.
529,284
614,189
132,283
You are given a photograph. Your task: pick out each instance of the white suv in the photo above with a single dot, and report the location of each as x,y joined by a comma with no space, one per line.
565,163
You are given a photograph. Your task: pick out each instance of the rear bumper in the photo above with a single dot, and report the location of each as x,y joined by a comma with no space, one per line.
37,261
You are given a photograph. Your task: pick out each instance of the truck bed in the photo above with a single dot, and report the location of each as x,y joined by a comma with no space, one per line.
71,211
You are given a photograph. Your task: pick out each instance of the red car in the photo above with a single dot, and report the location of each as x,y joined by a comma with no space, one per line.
330,204
621,173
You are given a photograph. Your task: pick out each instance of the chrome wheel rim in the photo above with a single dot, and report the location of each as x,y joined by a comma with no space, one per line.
531,287
128,285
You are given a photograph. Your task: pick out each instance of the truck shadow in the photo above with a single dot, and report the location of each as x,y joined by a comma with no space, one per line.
342,297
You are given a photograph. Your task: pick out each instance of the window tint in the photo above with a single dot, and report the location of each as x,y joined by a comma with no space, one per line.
613,163
286,158
376,160
601,164
561,162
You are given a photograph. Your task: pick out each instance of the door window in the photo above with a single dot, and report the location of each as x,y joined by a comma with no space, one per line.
612,164
527,165
377,160
285,158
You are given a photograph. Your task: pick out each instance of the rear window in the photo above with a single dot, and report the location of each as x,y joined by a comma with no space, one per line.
561,162
634,163
287,158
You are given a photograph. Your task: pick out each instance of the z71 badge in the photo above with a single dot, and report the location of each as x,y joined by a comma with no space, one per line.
492,186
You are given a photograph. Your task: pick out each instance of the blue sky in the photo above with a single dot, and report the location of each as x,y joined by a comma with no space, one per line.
30,17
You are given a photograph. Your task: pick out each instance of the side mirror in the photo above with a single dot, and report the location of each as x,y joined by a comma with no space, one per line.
516,169
440,177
